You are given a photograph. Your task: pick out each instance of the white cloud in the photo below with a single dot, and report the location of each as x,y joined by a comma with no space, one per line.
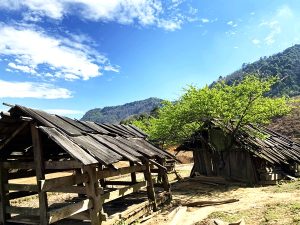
32,90
64,111
144,12
204,20
25,69
231,23
33,49
170,25
256,41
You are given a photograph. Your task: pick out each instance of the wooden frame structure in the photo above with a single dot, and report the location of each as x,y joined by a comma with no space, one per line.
251,159
35,143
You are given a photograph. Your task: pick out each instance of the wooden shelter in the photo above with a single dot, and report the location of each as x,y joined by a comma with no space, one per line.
257,154
36,144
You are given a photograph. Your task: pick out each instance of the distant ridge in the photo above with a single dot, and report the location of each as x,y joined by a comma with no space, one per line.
115,114
286,65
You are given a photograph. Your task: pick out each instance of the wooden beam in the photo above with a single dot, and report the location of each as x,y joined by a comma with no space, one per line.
40,172
14,134
158,164
23,210
117,182
69,189
69,210
20,194
62,165
4,201
107,197
18,165
121,171
150,186
22,187
53,183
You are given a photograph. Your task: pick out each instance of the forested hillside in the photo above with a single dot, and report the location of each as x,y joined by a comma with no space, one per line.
115,114
286,65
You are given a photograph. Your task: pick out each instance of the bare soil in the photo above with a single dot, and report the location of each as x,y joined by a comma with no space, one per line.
279,204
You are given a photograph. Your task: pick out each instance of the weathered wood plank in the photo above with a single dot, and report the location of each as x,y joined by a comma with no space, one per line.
126,170
102,153
115,148
23,210
69,210
14,134
92,191
20,194
52,184
58,122
18,165
4,201
95,127
25,219
133,174
123,146
110,196
150,186
40,172
118,182
22,187
73,149
62,165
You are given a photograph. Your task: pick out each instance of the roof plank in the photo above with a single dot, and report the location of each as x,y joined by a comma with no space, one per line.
64,142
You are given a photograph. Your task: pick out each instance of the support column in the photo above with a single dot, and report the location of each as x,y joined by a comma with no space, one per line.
133,175
40,173
93,191
4,201
164,176
150,186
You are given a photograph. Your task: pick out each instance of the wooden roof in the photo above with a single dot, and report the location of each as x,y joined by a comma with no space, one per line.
267,144
86,141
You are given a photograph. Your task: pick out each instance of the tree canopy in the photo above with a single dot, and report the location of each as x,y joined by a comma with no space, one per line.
235,105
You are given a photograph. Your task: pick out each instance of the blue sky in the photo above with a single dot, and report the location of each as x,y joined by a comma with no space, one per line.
68,56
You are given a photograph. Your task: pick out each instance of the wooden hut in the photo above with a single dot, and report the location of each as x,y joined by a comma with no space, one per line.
36,144
257,154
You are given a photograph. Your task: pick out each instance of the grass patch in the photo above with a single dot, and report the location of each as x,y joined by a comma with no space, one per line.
285,187
271,214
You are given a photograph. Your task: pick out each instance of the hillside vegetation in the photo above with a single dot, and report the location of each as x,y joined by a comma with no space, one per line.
115,114
285,65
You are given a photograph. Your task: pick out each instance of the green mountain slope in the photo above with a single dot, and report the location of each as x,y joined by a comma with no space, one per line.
115,114
286,65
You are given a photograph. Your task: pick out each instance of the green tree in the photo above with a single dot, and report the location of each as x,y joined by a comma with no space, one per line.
234,106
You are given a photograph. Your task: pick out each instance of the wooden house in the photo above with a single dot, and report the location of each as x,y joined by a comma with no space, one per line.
86,156
257,154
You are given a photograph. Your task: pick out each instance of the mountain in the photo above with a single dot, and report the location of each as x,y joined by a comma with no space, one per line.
115,114
286,65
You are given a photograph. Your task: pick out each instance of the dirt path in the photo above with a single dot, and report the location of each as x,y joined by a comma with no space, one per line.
257,205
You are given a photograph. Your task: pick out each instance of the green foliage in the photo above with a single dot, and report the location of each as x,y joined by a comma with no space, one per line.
235,105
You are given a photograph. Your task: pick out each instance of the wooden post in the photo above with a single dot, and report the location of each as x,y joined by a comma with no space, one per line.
133,175
3,194
150,186
40,173
78,171
164,176
93,191
102,181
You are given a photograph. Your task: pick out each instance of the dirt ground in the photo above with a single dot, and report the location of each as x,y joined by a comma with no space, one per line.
269,205
279,204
